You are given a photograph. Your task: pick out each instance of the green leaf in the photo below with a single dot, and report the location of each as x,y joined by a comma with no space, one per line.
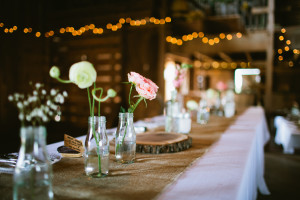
184,65
122,109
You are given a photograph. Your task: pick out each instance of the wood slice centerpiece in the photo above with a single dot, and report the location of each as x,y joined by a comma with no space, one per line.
162,142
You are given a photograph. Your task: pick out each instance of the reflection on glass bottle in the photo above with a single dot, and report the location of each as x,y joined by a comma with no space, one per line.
172,109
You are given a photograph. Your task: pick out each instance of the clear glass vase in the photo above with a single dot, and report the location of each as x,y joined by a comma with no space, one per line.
96,154
33,172
125,139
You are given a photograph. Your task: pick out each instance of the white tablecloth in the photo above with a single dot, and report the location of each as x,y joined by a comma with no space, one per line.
287,134
232,169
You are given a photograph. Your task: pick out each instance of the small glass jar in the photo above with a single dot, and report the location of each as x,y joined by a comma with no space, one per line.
183,123
96,155
203,113
125,139
33,172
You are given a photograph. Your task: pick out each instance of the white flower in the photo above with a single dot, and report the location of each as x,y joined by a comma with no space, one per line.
44,92
65,94
28,117
35,93
54,72
10,98
45,118
52,92
192,105
20,105
38,85
83,74
26,103
59,99
21,116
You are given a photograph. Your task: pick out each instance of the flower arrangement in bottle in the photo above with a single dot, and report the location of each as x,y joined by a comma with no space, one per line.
83,74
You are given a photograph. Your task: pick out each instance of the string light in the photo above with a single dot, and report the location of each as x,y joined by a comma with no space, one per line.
221,65
91,27
204,39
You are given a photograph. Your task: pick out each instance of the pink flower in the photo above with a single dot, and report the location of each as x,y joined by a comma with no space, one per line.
135,78
221,86
145,87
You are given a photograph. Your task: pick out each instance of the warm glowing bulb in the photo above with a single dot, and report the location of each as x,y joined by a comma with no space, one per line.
62,30
229,37
37,34
286,48
279,51
283,30
15,28
11,30
87,27
195,35
288,42
100,30
296,51
51,33
238,35
233,65
114,28
119,25
1,24
222,35
291,64
143,21
6,30
168,19
243,64
162,21
215,64
201,34
205,40
138,22
122,20
156,21
152,19
281,38
92,26
216,40
132,23
189,37
29,30
25,30
109,26
46,34
280,58
168,39
95,31
128,20
223,64
211,42
184,38
179,42
173,40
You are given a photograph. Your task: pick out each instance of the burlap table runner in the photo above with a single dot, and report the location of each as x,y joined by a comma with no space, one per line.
144,179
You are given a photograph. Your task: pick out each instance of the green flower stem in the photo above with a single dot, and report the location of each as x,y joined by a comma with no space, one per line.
130,95
63,81
89,98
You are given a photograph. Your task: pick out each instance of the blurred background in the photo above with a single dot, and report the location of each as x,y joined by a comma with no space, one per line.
251,45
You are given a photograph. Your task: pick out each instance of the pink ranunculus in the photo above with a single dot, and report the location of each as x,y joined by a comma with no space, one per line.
152,84
221,86
135,78
147,90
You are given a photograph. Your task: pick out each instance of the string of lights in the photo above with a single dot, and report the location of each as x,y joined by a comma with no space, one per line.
221,65
90,27
286,48
205,39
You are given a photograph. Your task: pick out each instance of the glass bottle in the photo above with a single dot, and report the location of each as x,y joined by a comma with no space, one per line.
125,139
172,109
96,154
33,172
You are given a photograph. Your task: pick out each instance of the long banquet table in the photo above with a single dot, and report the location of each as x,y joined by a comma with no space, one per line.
226,161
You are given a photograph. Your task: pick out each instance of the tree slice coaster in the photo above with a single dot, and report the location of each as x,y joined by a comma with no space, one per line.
161,142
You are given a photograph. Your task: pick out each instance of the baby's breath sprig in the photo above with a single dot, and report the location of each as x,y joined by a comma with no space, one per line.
38,107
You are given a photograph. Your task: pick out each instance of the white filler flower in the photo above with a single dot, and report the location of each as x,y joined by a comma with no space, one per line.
83,74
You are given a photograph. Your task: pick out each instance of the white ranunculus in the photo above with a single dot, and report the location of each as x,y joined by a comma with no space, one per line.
10,98
44,92
192,105
83,74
